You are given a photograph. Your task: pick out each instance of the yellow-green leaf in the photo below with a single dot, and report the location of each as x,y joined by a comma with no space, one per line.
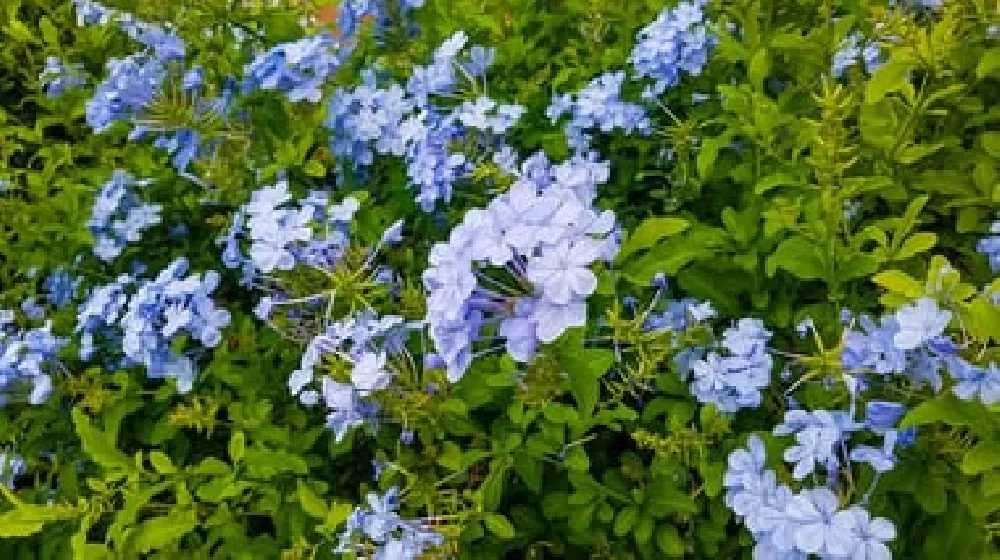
650,231
98,445
311,503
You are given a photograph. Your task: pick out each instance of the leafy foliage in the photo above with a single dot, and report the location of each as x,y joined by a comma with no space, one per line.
828,172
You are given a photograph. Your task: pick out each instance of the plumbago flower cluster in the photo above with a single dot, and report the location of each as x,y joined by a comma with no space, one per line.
909,343
912,342
119,217
678,42
408,121
520,268
789,524
27,357
141,319
381,526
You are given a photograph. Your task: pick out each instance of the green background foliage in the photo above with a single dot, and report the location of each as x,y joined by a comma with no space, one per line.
748,213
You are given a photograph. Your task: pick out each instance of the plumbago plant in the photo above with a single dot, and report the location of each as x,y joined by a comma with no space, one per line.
481,279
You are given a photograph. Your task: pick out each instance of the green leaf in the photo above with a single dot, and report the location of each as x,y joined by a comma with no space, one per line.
899,282
310,502
708,152
759,68
267,462
983,457
163,531
649,232
49,33
339,512
991,143
560,413
712,477
643,530
530,471
991,483
314,168
915,244
585,368
989,64
949,410
237,446
20,32
775,180
625,520
161,462
97,445
669,541
28,519
499,525
890,77
799,257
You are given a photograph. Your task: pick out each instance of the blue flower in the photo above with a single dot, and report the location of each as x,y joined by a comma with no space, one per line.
142,319
676,43
990,246
735,381
131,85
598,106
394,538
298,69
849,53
91,13
61,287
873,348
865,537
11,466
562,271
25,359
973,381
118,216
881,459
818,436
57,77
811,514
368,372
32,309
544,231
919,322
881,415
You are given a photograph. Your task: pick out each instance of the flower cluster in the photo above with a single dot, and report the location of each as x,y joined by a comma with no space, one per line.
789,524
912,342
119,216
735,380
25,356
353,13
405,121
298,69
134,81
677,42
394,538
144,317
367,345
12,465
57,77
61,287
598,107
315,234
853,49
990,246
521,266
282,235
